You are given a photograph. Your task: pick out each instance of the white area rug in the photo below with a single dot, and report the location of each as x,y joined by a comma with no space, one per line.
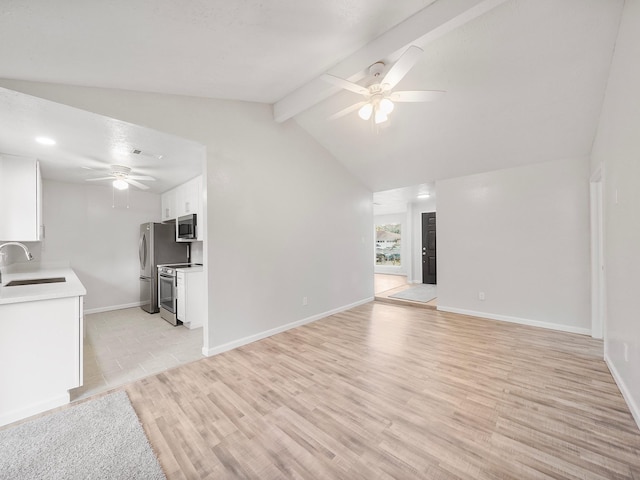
418,293
99,439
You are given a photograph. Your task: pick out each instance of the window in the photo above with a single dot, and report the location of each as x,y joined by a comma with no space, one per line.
388,240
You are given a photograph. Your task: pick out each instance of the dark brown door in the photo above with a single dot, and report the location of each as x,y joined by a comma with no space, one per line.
429,248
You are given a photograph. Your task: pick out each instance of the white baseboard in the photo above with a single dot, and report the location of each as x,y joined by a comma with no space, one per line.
633,406
34,408
283,328
521,321
89,311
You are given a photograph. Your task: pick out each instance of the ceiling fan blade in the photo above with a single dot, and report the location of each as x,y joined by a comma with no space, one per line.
142,177
141,186
346,111
346,84
402,66
417,96
98,179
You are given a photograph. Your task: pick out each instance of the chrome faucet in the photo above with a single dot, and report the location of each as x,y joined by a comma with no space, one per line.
24,247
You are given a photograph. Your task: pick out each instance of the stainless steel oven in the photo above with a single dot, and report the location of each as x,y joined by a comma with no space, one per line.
167,289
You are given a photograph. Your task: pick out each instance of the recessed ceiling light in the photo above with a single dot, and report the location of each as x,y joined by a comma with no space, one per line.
424,195
45,141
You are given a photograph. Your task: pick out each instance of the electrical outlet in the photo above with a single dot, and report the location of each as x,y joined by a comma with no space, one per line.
305,301
481,296
626,352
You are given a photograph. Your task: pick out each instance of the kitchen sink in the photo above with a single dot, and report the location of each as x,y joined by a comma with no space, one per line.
35,281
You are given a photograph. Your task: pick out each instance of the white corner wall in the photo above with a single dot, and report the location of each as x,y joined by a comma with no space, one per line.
617,148
521,236
285,220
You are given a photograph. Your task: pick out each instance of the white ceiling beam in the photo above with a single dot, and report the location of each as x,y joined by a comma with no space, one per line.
425,26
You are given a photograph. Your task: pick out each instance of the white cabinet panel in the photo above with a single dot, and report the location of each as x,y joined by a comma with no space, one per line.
191,298
181,296
189,197
168,200
41,350
20,199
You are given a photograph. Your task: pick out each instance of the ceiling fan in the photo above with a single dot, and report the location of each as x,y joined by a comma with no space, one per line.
379,97
122,178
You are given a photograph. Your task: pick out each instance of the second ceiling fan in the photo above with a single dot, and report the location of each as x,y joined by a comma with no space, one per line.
379,97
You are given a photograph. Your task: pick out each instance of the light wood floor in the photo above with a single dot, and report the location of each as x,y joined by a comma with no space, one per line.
383,282
386,391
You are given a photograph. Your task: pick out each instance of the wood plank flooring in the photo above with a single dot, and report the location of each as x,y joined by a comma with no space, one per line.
383,282
385,391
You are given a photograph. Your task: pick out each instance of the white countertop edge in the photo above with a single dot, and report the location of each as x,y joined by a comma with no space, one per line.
190,269
72,287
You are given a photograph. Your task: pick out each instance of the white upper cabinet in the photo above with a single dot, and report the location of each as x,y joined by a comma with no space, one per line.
20,199
189,197
169,205
185,199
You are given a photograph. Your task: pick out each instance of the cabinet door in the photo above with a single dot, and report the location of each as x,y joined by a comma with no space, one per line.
20,197
181,297
169,205
195,298
188,194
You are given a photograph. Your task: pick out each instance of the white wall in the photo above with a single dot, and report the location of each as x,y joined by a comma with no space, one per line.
197,252
617,147
98,241
405,245
417,209
284,218
520,235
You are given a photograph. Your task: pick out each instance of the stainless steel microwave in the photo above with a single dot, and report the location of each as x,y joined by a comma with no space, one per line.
187,227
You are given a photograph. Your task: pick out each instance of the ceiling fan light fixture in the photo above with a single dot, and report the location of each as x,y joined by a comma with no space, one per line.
120,184
386,106
380,117
45,141
365,111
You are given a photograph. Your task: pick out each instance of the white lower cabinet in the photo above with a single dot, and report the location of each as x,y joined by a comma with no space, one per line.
40,354
191,297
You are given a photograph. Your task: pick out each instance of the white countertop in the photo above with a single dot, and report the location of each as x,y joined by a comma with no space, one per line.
72,287
194,269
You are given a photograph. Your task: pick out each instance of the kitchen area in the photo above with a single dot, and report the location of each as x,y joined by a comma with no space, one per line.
77,315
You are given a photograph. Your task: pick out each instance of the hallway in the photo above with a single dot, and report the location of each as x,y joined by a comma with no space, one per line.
385,285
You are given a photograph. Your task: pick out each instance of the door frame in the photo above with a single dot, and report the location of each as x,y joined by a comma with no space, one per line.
598,290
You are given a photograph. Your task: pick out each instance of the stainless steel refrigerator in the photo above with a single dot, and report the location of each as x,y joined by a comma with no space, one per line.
157,246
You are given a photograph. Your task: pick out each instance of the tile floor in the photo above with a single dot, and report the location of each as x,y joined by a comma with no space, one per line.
123,345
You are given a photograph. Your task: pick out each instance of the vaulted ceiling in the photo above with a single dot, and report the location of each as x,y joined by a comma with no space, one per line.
525,79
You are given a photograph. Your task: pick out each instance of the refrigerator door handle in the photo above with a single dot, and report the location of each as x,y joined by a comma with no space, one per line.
142,251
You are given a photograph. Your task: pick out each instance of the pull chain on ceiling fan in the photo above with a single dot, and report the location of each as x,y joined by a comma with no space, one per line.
379,97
